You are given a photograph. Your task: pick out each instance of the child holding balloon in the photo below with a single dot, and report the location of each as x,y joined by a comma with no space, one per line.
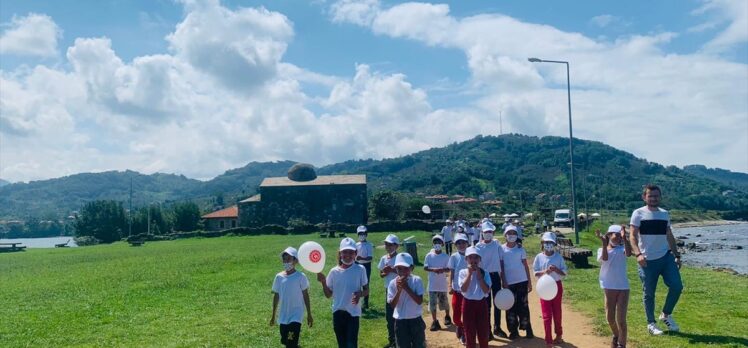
550,263
290,291
614,282
346,284
516,278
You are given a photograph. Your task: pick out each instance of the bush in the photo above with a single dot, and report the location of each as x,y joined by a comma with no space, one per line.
86,241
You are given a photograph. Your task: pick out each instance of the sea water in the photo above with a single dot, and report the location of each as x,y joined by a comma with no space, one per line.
41,242
719,244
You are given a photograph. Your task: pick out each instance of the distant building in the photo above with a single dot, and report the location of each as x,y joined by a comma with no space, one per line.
305,196
222,219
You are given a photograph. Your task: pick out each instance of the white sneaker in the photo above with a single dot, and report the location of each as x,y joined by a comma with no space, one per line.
669,322
654,330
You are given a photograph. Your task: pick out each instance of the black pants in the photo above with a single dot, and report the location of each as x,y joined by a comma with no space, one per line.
495,287
346,329
448,247
518,317
388,312
367,267
410,333
290,334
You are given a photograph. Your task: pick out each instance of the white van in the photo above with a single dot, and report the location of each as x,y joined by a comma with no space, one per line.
562,217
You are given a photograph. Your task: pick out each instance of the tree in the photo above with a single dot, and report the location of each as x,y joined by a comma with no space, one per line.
103,220
186,217
386,205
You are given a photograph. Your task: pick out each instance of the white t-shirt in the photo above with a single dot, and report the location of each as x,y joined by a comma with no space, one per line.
343,283
653,227
474,291
474,234
613,272
456,263
364,249
290,296
437,282
542,262
490,255
386,260
447,233
406,308
514,269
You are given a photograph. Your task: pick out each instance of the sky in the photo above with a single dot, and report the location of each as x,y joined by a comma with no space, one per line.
197,87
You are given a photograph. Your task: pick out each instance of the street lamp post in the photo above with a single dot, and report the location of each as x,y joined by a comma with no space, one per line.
571,141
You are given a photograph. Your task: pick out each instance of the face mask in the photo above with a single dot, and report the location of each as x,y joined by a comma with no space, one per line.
348,263
288,266
361,238
488,236
548,246
438,247
511,238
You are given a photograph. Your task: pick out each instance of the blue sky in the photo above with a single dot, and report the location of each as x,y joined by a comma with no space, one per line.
110,85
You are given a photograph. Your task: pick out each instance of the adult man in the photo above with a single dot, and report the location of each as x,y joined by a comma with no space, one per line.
447,232
653,244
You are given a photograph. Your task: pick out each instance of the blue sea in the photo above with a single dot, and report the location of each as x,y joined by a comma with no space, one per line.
717,242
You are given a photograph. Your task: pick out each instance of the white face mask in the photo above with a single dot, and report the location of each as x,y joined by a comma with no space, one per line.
361,237
438,247
511,238
288,266
548,246
348,263
487,236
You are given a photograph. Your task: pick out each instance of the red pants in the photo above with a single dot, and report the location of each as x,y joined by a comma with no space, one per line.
457,312
552,310
475,320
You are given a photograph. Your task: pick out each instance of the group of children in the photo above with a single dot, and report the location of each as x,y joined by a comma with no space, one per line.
472,275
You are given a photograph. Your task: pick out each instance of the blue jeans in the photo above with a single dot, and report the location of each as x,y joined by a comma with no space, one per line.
650,275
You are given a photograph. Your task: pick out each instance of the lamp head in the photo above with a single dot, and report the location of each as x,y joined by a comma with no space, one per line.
534,60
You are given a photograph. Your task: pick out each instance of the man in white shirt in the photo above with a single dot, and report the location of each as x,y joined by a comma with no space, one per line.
346,284
364,255
492,259
653,244
405,295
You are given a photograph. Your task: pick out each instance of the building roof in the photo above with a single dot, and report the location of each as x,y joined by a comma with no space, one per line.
319,181
254,199
227,213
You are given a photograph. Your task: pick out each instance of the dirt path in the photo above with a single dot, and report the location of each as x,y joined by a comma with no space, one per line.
578,331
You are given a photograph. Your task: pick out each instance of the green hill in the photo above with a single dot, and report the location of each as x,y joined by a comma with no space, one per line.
736,180
513,167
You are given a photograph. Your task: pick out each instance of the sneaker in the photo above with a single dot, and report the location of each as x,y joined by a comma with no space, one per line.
513,335
614,342
499,332
447,321
462,340
654,330
669,322
529,334
435,326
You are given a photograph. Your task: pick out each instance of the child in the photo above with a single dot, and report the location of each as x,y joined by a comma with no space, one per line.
475,285
516,277
364,255
387,271
613,280
492,255
405,295
447,230
550,262
457,263
290,288
346,284
436,264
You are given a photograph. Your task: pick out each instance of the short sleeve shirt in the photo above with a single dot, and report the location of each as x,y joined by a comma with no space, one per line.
514,269
457,263
437,282
653,227
290,296
447,233
542,262
406,308
385,261
343,283
490,253
364,249
474,291
613,271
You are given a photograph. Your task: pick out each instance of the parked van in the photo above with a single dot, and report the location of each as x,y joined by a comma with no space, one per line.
562,217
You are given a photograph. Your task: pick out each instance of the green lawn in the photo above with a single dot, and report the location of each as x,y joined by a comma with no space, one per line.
216,292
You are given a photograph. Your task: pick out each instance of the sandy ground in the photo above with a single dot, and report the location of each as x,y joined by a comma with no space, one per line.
578,332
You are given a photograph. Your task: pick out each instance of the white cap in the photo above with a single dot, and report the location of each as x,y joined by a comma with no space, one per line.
471,251
516,221
488,226
392,239
449,221
510,228
461,227
549,237
460,237
291,251
361,229
347,244
437,237
403,259
614,229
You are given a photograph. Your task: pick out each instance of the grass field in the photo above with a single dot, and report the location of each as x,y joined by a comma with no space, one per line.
216,292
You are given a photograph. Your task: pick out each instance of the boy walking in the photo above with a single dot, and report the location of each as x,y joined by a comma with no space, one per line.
290,290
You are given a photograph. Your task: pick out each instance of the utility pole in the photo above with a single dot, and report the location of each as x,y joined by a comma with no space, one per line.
501,123
129,212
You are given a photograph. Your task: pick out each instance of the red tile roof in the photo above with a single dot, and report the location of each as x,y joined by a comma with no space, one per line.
228,213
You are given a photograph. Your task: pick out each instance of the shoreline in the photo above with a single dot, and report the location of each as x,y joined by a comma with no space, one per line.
705,223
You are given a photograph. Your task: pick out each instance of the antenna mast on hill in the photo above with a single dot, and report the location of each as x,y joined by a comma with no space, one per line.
129,212
501,125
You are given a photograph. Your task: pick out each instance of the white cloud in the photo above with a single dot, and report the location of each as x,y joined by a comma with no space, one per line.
733,14
32,35
360,12
602,21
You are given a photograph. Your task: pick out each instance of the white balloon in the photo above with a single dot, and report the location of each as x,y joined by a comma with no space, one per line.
312,257
547,288
504,299
425,209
